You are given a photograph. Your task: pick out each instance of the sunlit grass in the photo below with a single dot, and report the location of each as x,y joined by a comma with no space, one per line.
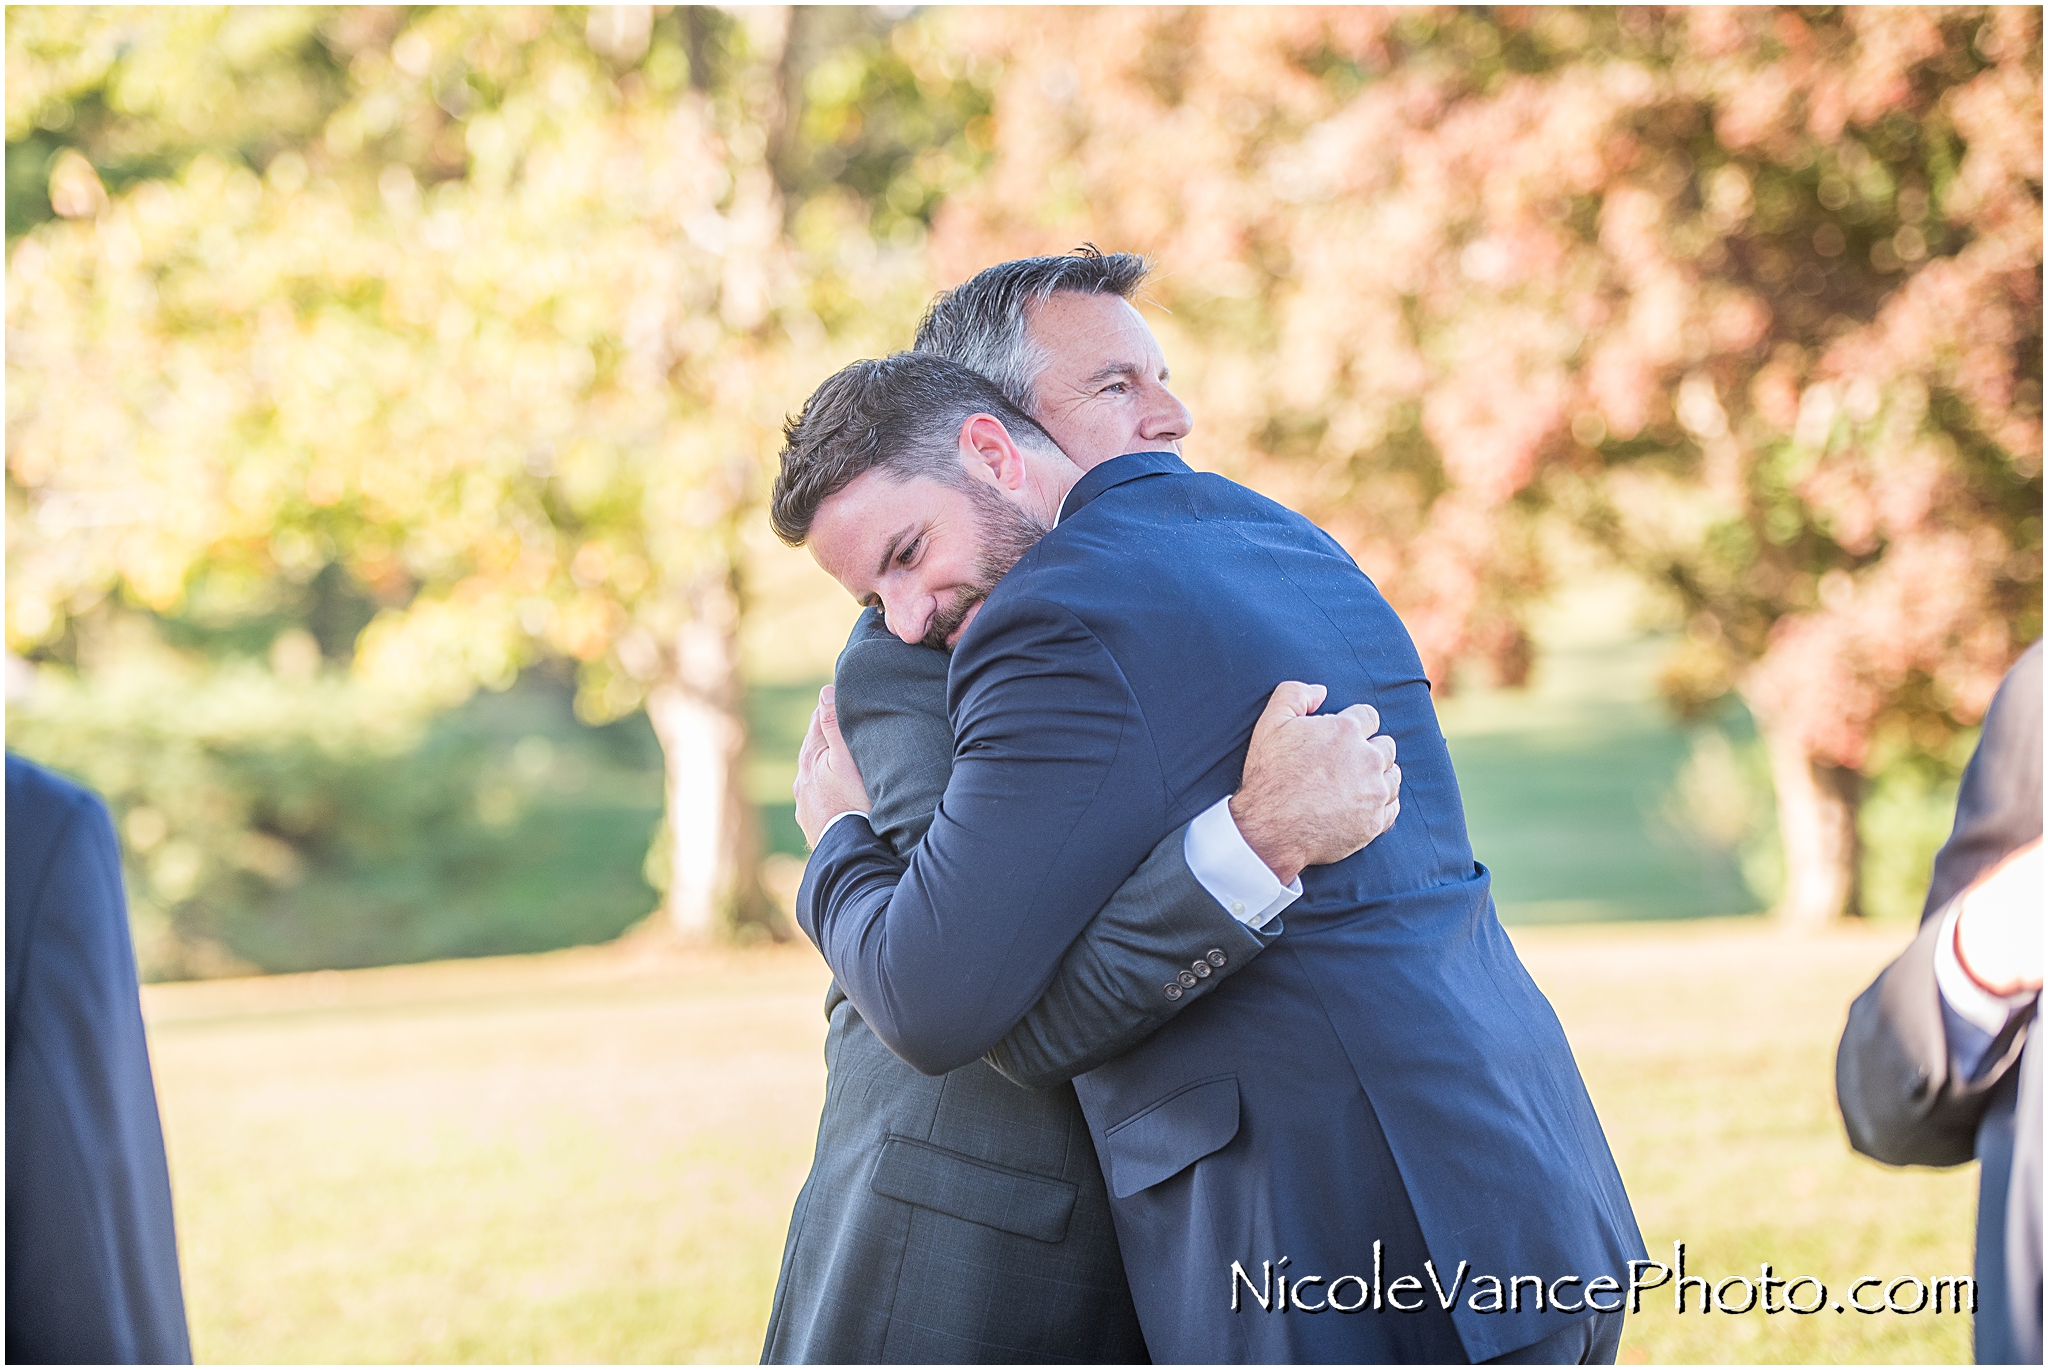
1709,1051
591,1156
572,1157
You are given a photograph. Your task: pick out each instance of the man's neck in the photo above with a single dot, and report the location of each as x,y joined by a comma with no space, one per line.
1046,486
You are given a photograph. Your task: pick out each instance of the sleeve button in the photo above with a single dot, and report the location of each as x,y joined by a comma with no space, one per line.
1186,978
1237,908
1201,968
1216,958
1174,991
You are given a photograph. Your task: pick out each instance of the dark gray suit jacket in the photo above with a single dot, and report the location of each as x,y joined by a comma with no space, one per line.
1902,1101
962,1217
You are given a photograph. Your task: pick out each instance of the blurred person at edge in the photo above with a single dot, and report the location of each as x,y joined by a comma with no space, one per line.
958,1217
1939,1063
1116,621
92,1256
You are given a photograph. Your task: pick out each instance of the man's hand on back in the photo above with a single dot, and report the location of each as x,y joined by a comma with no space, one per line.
1315,789
827,782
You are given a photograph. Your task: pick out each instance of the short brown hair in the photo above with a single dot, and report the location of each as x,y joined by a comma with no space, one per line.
899,414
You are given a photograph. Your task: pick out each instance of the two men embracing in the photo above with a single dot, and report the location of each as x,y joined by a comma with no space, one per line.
1107,790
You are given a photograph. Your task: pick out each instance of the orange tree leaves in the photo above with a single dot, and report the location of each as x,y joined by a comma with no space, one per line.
1751,297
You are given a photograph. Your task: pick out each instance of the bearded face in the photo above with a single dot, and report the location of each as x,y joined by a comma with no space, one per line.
1003,533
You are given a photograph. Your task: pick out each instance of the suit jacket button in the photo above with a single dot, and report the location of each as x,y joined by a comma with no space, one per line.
1174,991
1217,959
1201,968
1186,978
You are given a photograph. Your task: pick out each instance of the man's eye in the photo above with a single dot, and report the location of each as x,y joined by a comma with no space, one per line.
1115,388
909,552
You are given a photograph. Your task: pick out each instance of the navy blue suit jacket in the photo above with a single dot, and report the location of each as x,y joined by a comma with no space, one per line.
1388,1070
92,1261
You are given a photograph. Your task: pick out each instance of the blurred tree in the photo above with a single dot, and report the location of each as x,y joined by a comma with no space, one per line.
1749,296
463,335
279,825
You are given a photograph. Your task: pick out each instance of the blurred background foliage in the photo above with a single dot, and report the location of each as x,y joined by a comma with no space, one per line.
1746,298
363,359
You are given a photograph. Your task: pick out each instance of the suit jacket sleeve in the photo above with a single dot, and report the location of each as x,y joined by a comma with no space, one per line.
1108,993
1900,1100
1053,801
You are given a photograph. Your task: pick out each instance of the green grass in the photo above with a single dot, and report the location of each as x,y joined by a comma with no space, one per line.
591,1155
1567,787
574,1158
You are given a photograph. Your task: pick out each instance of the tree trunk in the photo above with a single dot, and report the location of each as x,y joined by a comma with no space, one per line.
714,886
1817,804
697,708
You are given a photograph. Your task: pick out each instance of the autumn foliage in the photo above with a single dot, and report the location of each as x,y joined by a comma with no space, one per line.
1748,298
488,318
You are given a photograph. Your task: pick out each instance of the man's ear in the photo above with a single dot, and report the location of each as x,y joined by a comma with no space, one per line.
990,454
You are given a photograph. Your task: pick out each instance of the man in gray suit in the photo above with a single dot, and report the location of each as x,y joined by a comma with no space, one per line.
964,1217
1939,1063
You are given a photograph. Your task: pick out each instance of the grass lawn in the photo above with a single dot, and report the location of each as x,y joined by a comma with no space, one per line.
590,1155
1567,787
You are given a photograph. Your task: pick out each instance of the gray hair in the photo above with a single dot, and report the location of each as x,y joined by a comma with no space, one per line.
981,323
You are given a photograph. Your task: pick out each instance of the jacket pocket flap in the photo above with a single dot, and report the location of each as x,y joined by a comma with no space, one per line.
916,1172
1171,1135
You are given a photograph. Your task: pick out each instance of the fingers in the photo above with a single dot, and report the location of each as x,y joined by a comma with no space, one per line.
1292,699
1365,716
807,753
828,715
1367,720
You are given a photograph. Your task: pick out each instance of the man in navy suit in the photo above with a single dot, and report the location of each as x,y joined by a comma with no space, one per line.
1373,1142
92,1260
956,1217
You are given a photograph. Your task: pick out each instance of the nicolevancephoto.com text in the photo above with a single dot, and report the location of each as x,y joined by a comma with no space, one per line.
1275,1291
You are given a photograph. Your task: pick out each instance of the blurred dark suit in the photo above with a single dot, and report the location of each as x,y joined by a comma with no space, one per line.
961,1217
92,1260
1902,1100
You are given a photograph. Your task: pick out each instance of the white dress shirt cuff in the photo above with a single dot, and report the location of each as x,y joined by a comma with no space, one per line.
1972,1014
850,813
1227,867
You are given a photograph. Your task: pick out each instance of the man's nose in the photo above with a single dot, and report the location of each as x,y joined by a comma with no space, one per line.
906,615
1166,418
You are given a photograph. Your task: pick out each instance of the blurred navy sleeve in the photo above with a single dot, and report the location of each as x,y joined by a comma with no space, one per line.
92,1257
